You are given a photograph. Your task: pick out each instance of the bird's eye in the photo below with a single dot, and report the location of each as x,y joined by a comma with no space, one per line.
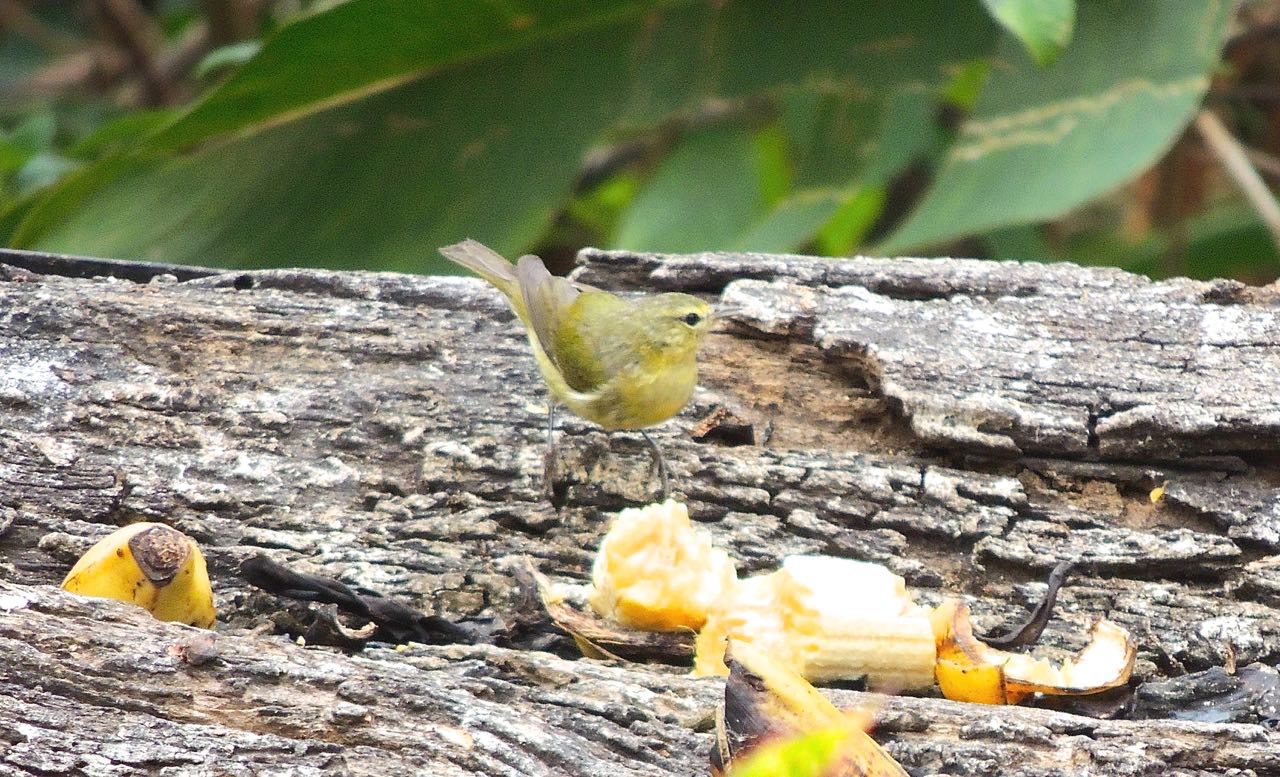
692,319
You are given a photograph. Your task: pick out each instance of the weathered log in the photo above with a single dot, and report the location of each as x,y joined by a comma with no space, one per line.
969,424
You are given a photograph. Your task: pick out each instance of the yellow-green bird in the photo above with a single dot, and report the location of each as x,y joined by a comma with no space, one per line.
620,363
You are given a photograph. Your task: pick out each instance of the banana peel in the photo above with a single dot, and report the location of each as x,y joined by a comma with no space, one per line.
969,670
602,638
151,565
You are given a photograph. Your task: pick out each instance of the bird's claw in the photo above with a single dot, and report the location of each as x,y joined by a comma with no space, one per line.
554,487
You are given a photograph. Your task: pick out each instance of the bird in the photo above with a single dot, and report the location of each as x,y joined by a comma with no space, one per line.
622,364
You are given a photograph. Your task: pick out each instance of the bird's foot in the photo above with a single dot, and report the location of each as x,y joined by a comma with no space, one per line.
554,486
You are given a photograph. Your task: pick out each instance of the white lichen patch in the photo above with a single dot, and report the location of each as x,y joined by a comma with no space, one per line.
30,377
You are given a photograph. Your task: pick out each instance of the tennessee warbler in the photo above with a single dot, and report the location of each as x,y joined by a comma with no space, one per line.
620,363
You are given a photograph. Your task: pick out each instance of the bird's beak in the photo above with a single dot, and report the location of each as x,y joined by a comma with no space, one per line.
723,316
725,311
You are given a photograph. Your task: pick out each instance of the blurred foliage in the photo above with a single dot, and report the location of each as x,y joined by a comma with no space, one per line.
1044,26
807,755
363,134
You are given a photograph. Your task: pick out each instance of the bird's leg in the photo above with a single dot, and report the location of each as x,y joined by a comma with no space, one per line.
661,465
549,458
551,425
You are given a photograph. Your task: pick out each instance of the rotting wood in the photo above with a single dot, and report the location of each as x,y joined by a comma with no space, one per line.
966,423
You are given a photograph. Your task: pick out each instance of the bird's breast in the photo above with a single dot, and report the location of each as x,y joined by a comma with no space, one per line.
638,398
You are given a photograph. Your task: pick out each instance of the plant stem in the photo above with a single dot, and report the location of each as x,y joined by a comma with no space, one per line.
1235,160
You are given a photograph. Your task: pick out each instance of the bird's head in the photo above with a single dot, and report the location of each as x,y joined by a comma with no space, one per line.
675,323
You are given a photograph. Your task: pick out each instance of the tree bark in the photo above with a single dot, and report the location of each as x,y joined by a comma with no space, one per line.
969,424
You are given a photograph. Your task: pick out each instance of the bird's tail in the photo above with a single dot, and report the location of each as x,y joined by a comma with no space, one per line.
488,264
536,297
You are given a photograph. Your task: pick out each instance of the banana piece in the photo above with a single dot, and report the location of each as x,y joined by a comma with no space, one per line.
824,618
866,625
827,619
656,571
151,565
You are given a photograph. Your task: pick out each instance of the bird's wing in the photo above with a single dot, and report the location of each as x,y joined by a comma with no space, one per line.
581,329
594,339
547,299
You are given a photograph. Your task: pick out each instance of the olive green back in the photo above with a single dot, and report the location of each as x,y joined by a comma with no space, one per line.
594,339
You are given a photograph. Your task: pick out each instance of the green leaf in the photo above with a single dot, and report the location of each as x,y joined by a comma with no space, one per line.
1022,243
474,125
846,228
12,156
723,188
487,149
714,192
908,130
1144,252
72,191
773,164
1043,26
809,755
706,193
366,50
1231,242
1227,241
791,223
11,213
964,89
1041,141
600,209
121,133
831,133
